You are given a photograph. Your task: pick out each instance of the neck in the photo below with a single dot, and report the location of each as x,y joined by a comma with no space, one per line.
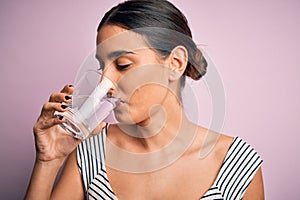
161,145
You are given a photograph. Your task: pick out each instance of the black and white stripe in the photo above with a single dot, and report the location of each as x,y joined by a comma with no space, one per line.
91,163
234,177
236,173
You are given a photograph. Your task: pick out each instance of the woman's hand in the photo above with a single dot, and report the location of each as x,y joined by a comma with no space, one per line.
53,145
52,142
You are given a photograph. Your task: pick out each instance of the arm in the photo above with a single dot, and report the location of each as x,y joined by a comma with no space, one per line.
53,146
70,185
42,179
255,190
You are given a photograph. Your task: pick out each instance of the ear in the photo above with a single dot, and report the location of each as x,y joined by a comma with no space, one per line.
178,59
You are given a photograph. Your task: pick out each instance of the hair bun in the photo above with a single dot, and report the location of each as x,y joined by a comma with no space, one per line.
197,65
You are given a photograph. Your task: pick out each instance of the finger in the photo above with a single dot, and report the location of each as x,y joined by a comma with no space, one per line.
60,97
68,89
49,109
48,123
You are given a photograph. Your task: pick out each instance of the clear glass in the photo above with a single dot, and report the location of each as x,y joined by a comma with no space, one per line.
90,105
80,126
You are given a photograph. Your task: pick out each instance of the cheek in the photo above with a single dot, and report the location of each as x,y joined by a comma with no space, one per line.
141,103
148,95
141,88
142,79
144,99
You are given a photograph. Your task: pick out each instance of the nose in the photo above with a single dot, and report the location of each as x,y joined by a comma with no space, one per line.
112,74
88,107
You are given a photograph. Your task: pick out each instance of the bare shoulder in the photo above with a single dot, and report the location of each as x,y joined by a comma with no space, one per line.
215,143
219,145
256,187
224,142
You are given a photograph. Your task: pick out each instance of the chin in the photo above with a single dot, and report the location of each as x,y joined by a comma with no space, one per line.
123,117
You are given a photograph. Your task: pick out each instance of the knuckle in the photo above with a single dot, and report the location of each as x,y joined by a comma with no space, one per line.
68,89
45,123
64,88
45,106
35,128
52,96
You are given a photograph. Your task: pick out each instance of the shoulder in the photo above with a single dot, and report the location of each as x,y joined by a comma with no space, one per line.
226,149
236,150
212,143
239,166
224,143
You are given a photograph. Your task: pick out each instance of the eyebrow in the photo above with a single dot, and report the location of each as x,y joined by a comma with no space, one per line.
115,54
119,53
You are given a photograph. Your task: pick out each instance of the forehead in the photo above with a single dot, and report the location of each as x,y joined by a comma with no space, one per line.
113,38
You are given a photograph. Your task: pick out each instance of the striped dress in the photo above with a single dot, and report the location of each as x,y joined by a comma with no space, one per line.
234,177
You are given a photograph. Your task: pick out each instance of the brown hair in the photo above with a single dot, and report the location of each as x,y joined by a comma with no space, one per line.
164,26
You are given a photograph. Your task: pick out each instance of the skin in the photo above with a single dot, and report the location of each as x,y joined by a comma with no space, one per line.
192,175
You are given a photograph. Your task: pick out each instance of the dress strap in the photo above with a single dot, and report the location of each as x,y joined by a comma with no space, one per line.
238,169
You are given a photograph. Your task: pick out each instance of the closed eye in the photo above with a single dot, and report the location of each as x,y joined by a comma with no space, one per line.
123,67
101,63
101,66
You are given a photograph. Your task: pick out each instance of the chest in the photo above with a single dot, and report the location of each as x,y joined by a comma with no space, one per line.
184,179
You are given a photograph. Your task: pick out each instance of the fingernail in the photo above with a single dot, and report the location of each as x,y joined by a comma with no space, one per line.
67,97
63,106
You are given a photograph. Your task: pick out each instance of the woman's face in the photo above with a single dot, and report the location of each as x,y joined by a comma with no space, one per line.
140,73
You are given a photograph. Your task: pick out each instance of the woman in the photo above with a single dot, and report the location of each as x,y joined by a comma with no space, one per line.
145,48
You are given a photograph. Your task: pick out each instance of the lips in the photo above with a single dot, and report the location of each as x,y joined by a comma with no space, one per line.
121,100
113,94
117,101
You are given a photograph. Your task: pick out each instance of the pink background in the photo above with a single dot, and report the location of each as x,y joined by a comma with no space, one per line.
255,45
